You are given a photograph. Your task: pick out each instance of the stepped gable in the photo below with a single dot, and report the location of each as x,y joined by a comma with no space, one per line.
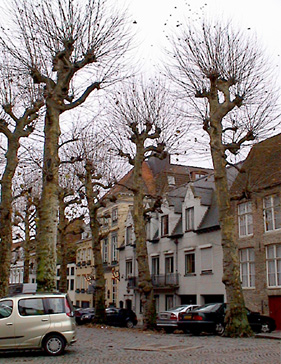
261,169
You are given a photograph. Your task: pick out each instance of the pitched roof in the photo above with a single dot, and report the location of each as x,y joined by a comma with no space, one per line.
261,169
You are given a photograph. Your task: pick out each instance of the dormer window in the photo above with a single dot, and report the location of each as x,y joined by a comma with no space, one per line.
164,225
189,219
115,215
171,180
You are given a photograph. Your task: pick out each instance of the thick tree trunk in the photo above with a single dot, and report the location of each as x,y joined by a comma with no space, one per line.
145,281
27,243
236,318
6,214
62,245
48,209
99,295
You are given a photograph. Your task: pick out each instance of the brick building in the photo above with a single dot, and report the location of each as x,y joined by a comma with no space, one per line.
256,196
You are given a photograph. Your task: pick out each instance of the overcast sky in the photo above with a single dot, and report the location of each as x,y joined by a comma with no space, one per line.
157,18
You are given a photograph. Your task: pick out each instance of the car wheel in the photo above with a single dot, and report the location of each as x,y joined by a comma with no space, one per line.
220,329
130,324
265,328
54,345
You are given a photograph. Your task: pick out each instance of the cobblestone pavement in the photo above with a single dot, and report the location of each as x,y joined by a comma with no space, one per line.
122,346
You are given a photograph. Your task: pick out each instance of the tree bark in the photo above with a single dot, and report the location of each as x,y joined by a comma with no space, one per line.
99,295
48,209
236,317
6,213
145,282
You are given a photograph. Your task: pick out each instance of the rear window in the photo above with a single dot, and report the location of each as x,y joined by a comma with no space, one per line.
209,308
55,305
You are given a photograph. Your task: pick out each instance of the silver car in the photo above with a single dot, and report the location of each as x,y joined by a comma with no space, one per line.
37,321
168,320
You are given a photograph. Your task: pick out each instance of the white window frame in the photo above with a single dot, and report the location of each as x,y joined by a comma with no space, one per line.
247,267
129,235
114,246
189,219
115,215
105,251
208,267
273,265
155,265
169,264
245,219
188,254
271,213
129,268
165,225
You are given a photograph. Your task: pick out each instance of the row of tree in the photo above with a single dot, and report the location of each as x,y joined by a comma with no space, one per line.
57,56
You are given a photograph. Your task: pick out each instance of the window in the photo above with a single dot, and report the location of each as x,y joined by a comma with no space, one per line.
245,219
31,307
114,215
114,291
169,302
71,285
189,219
72,271
129,268
169,264
206,260
105,219
247,267
129,235
114,247
189,263
272,213
273,265
55,305
6,308
164,225
105,251
155,266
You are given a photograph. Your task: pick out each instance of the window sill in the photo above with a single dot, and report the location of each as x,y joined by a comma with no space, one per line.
190,275
206,273
249,288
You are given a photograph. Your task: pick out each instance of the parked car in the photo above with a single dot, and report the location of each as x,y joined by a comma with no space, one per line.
121,317
168,320
37,321
210,318
84,315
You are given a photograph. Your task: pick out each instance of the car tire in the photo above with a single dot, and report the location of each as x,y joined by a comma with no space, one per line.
220,329
265,328
54,345
129,324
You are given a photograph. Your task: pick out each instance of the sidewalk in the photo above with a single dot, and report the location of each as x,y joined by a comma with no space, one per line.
271,335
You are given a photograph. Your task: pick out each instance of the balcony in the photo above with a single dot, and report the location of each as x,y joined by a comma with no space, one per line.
160,281
170,280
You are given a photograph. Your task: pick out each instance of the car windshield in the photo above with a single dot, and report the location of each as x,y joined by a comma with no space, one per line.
209,308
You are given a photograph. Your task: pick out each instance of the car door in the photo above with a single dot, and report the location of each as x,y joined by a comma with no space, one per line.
32,322
7,327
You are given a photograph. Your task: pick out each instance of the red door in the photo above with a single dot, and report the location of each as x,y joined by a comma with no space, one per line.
275,310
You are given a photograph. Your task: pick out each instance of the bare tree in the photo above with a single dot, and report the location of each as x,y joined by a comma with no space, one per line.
144,124
71,48
92,163
224,79
20,111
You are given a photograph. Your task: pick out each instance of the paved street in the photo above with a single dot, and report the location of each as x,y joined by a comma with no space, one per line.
122,346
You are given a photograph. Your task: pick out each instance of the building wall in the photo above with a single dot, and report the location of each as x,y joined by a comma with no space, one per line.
257,298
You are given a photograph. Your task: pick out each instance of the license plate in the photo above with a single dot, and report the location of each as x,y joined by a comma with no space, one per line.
187,317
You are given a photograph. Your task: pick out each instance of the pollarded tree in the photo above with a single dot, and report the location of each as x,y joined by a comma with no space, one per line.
92,164
144,124
21,104
71,48
224,79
